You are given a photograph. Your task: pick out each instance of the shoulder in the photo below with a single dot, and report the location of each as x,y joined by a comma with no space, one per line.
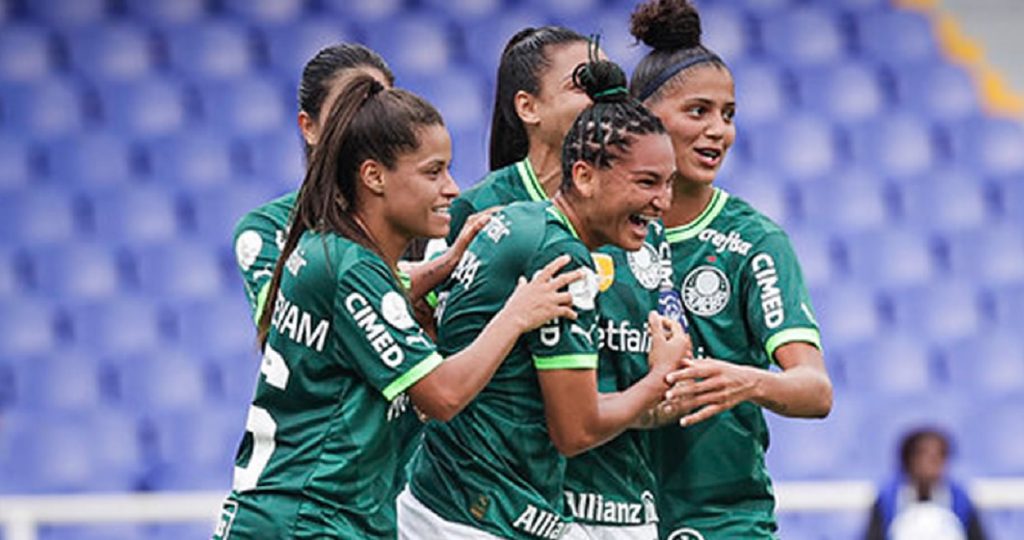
496,187
749,221
270,216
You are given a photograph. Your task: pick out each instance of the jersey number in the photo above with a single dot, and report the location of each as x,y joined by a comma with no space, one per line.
261,424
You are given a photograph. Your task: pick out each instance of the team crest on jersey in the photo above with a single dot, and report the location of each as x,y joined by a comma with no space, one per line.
685,534
395,310
706,291
646,266
247,248
584,290
605,270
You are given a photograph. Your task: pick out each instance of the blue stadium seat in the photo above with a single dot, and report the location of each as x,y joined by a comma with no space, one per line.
145,107
459,96
290,46
995,443
726,31
76,270
849,313
814,250
94,532
91,159
988,364
112,51
941,312
13,272
18,163
852,200
217,210
900,258
121,325
192,158
616,42
248,105
469,147
894,363
762,91
990,146
178,270
413,43
69,13
67,381
485,41
467,12
895,37
197,451
163,381
277,157
167,13
1007,304
29,326
765,192
899,145
211,50
946,201
940,91
131,214
265,11
564,12
764,7
74,452
846,92
235,376
26,53
365,11
175,531
991,255
798,147
809,36
42,215
44,108
1009,194
220,326
803,449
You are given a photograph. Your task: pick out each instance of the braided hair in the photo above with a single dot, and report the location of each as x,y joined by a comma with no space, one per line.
604,131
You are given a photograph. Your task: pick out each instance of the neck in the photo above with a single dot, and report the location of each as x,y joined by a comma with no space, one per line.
568,207
389,240
547,165
688,201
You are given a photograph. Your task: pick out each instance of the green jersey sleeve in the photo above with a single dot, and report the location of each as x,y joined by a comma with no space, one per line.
378,333
778,306
562,343
256,253
460,211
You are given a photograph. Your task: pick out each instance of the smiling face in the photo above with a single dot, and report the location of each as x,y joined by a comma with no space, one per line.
418,190
698,112
636,189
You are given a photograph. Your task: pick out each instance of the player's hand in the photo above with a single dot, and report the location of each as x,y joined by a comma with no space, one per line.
540,300
708,387
474,224
669,343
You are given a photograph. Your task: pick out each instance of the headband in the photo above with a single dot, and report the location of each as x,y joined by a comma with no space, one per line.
672,70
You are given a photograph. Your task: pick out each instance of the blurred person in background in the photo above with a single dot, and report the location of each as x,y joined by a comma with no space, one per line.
744,298
922,502
259,235
343,357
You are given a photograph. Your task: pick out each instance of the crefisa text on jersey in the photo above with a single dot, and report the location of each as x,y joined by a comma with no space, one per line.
292,321
763,266
731,241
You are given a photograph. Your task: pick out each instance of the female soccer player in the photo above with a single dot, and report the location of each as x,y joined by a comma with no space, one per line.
259,235
341,349
744,296
496,470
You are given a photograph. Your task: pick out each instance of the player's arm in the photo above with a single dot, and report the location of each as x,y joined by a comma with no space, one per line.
452,385
428,275
579,418
256,254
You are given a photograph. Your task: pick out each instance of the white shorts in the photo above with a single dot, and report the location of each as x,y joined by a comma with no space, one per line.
417,522
647,531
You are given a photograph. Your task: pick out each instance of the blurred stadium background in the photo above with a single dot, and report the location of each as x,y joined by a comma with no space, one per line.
134,133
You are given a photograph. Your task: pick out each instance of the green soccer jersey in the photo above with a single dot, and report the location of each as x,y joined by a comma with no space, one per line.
325,432
493,466
614,484
259,239
744,297
514,183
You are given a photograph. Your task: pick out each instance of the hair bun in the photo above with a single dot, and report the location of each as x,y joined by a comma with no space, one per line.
602,80
666,24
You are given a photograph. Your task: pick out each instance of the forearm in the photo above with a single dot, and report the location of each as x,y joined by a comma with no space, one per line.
637,406
426,276
800,391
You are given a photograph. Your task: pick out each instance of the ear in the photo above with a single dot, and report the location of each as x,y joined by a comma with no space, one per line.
308,128
371,175
526,107
584,179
